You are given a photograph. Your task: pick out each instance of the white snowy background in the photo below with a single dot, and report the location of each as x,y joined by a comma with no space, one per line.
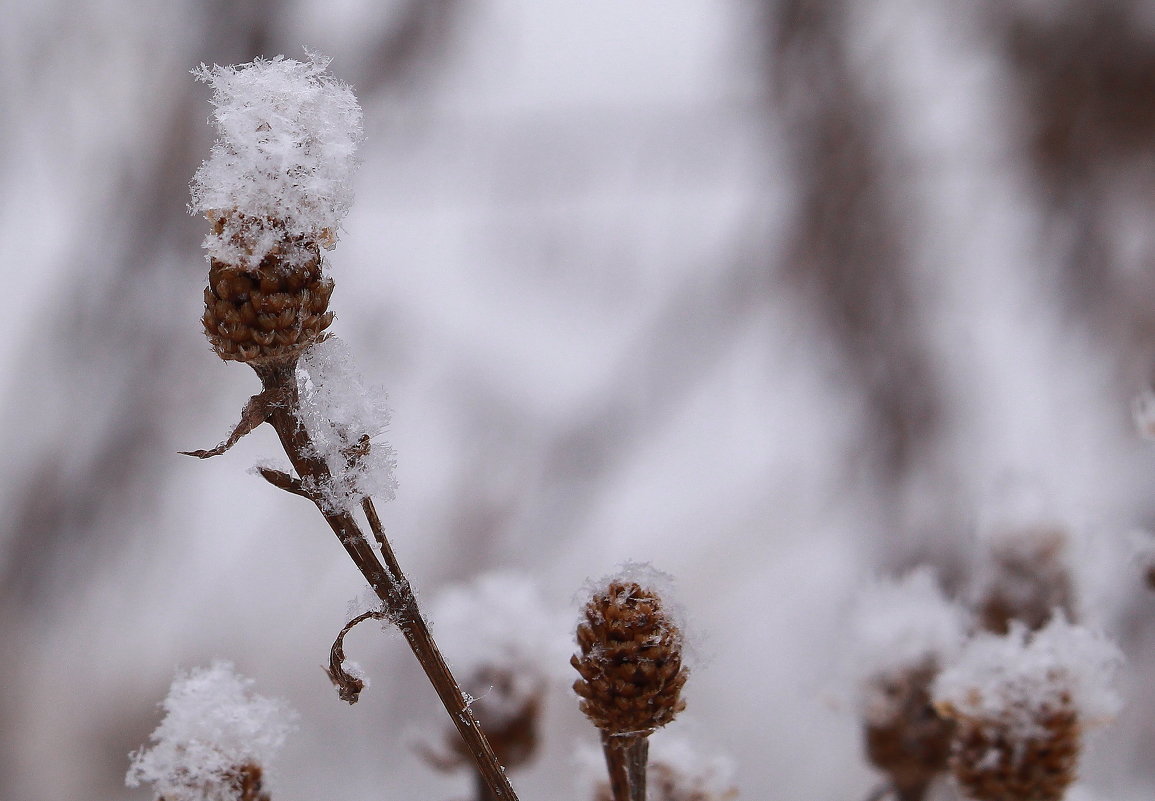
778,296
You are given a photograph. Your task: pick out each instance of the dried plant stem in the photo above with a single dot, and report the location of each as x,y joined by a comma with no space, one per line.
387,580
626,758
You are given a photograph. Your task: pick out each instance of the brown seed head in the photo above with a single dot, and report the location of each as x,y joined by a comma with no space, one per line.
991,762
271,312
244,783
905,737
630,661
250,783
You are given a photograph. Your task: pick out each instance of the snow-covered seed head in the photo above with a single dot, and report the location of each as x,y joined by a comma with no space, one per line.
630,661
910,743
215,738
508,646
1021,704
280,173
275,189
990,765
903,631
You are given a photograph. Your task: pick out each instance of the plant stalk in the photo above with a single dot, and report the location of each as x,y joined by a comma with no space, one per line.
387,580
626,758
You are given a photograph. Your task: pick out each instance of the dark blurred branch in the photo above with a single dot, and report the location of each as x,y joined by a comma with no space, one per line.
846,252
1085,73
414,38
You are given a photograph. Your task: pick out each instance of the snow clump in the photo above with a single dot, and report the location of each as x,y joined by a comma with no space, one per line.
344,420
281,168
1016,680
905,624
213,726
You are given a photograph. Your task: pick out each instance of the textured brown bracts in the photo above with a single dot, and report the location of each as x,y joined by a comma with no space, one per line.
630,661
269,313
991,763
905,737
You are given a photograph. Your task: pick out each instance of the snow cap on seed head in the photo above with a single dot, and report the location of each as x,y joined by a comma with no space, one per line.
1021,703
1012,677
216,735
905,623
284,157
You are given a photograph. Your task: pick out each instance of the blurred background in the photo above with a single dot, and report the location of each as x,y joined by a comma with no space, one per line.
778,296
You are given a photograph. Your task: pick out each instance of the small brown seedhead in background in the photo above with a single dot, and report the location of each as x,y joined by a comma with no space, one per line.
1021,703
992,762
905,737
903,630
511,718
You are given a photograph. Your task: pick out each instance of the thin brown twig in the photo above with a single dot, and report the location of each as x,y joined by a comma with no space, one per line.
348,686
382,541
282,480
255,412
482,790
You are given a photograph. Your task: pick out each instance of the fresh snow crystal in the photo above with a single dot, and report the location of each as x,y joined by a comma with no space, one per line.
1013,680
344,420
213,725
282,166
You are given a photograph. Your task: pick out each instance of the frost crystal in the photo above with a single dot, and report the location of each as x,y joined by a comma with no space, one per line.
344,420
213,726
281,169
1014,681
